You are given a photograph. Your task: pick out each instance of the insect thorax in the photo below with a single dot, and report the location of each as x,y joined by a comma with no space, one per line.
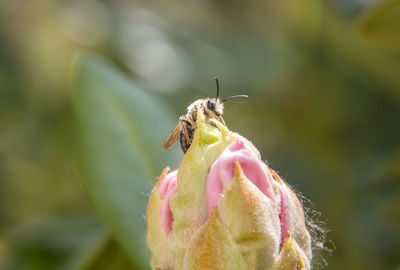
202,104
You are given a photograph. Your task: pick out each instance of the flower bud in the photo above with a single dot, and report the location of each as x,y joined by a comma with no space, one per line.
225,209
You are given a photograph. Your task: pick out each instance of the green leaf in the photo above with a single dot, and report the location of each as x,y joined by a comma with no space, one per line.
382,23
121,130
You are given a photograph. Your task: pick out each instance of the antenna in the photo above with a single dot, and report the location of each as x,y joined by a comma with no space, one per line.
233,97
216,80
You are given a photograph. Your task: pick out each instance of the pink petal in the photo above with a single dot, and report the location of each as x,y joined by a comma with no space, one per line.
166,182
223,170
166,188
284,215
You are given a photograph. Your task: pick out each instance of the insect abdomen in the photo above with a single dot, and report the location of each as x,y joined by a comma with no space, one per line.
186,135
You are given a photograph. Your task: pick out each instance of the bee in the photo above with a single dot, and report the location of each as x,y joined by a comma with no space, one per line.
184,130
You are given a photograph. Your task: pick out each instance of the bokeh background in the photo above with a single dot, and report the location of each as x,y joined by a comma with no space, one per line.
324,110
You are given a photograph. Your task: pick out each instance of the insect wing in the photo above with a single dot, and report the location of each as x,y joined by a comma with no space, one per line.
173,137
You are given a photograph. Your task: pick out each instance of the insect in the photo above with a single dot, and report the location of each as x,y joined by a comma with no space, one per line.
184,130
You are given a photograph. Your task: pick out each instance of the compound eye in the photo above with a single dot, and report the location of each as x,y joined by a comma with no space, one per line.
210,105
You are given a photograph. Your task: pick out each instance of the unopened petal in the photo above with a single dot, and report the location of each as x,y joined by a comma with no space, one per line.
156,238
293,210
212,247
291,257
252,219
166,183
167,187
284,213
223,170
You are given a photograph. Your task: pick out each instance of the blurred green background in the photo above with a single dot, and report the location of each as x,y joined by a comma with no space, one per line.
90,89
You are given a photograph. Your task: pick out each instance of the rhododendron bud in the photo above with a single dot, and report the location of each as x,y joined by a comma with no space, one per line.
225,209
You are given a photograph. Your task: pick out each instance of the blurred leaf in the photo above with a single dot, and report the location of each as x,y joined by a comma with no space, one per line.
120,134
109,256
101,253
382,23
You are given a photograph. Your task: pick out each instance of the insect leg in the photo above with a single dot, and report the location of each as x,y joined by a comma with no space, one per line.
220,119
